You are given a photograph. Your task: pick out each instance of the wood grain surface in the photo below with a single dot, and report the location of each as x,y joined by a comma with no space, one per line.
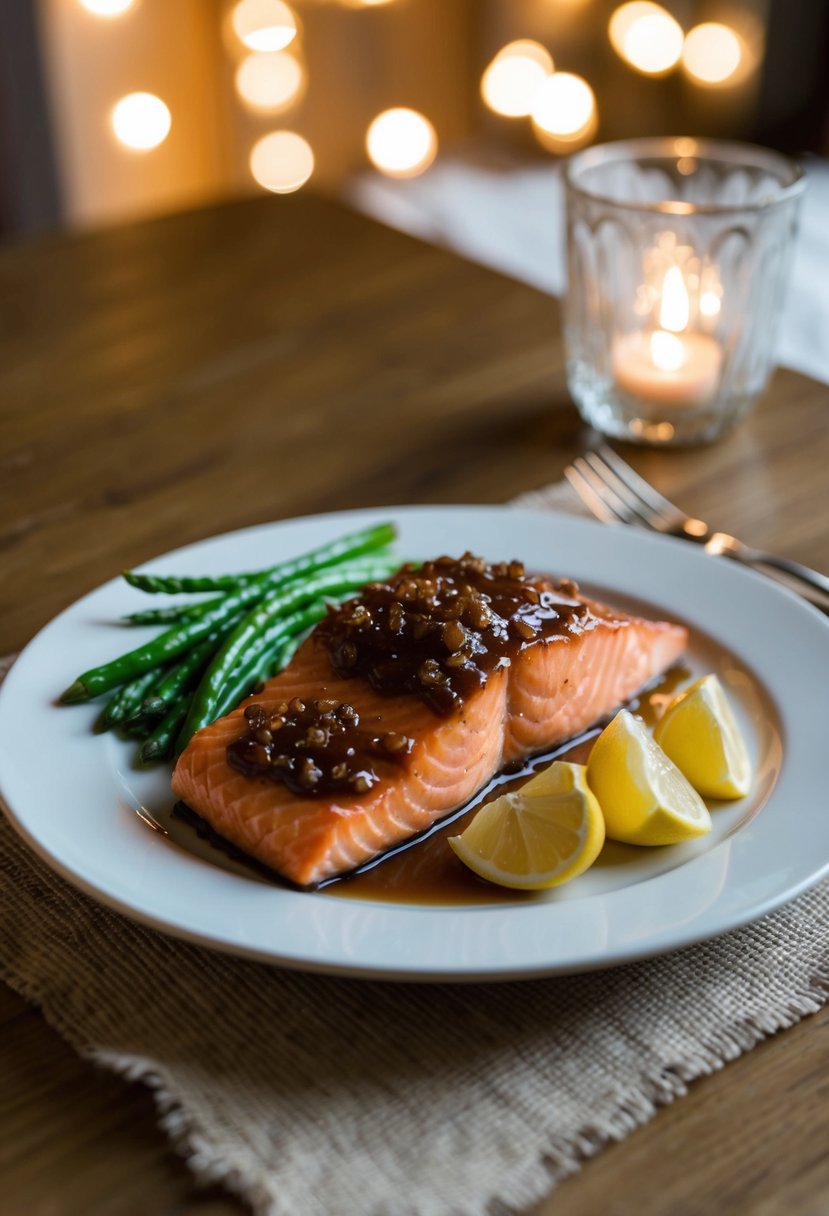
167,381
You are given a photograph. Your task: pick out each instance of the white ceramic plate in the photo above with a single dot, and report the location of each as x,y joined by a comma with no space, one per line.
74,795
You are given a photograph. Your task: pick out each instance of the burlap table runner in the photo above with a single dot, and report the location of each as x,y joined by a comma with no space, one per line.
306,1094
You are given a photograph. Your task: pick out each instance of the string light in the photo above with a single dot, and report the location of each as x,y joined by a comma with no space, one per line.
565,112
511,81
646,37
141,121
712,54
401,142
107,8
281,161
270,82
264,25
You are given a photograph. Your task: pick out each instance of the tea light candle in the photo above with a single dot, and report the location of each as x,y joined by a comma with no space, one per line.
668,366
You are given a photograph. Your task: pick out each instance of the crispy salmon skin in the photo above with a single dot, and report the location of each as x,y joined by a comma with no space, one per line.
539,663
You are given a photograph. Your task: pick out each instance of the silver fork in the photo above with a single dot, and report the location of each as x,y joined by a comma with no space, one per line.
614,493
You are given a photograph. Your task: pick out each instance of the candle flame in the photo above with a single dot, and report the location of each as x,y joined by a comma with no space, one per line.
674,310
667,351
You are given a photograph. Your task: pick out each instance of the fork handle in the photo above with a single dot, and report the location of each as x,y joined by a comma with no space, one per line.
808,578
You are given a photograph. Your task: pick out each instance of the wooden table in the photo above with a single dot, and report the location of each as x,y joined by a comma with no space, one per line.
166,381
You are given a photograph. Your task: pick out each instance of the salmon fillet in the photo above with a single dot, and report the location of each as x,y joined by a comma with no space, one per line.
553,689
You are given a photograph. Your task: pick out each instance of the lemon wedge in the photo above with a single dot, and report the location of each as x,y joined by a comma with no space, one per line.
643,796
699,732
542,835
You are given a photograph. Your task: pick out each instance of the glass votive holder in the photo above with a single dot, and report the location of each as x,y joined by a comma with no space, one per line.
677,257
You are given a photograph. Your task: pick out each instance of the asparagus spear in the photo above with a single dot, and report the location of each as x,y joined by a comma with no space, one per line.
182,677
173,613
367,540
159,744
125,702
268,653
276,604
227,642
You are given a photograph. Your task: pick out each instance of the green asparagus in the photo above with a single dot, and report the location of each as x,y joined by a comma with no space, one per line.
276,603
367,540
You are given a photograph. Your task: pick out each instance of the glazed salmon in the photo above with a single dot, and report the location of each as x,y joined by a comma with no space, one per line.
549,688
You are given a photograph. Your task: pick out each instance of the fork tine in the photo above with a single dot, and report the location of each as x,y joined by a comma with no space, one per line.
599,498
636,485
638,512
589,497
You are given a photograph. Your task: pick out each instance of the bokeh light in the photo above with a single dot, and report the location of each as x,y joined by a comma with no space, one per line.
282,161
401,142
511,81
565,112
264,25
141,121
270,82
107,8
712,54
646,37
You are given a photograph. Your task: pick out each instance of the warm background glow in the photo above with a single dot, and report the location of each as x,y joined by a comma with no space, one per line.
712,54
264,25
107,8
270,82
646,36
282,161
401,142
510,84
230,72
565,113
141,121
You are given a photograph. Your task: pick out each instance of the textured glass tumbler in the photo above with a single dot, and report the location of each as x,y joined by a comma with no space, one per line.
678,251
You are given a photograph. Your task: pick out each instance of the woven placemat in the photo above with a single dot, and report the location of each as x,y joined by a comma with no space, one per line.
306,1094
